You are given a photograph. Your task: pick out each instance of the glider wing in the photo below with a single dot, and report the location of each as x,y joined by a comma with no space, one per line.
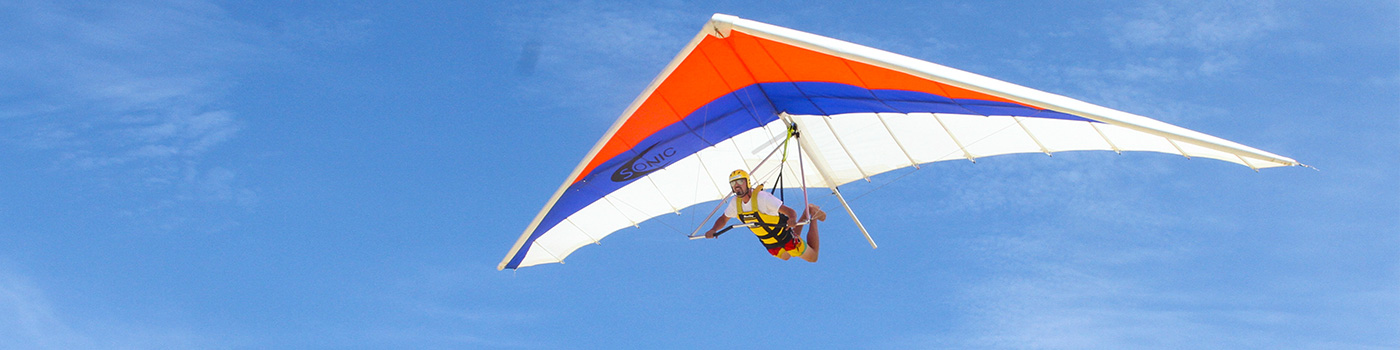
725,100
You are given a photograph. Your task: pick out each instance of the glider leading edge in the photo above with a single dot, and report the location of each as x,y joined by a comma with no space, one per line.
736,89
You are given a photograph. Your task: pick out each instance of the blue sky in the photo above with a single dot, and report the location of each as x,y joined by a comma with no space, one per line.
344,175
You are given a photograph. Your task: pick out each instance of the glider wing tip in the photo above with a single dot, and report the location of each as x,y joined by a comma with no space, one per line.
722,24
720,17
505,264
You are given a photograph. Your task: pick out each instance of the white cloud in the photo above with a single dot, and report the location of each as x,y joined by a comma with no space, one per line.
597,54
1064,306
1380,81
30,320
1116,284
1202,25
115,72
1205,33
126,92
1150,50
324,31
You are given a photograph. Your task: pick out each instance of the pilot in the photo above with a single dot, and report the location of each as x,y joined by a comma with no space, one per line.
772,220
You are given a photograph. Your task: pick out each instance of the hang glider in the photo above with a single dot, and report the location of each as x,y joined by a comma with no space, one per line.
733,92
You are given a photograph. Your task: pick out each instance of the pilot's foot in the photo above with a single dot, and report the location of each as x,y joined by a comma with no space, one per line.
815,212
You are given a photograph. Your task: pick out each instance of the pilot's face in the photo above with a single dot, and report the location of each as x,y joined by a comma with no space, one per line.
740,187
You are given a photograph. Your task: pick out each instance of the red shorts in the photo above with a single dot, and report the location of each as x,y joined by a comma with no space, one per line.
794,247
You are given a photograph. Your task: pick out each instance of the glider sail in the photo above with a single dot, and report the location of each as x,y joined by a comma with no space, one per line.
732,93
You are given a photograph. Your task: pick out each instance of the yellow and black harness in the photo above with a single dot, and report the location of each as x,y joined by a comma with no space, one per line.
771,230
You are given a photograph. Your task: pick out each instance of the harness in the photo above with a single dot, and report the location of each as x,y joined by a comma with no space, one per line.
771,230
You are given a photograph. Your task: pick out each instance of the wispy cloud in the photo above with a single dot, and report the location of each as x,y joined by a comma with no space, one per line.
442,306
30,320
1078,299
1208,26
1203,33
1134,54
129,92
596,54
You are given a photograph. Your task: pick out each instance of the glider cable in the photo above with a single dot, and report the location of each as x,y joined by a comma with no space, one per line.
792,132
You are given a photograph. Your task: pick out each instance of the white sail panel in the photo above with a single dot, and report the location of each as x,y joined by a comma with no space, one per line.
924,138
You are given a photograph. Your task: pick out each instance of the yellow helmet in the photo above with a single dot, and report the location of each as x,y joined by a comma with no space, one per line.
739,174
